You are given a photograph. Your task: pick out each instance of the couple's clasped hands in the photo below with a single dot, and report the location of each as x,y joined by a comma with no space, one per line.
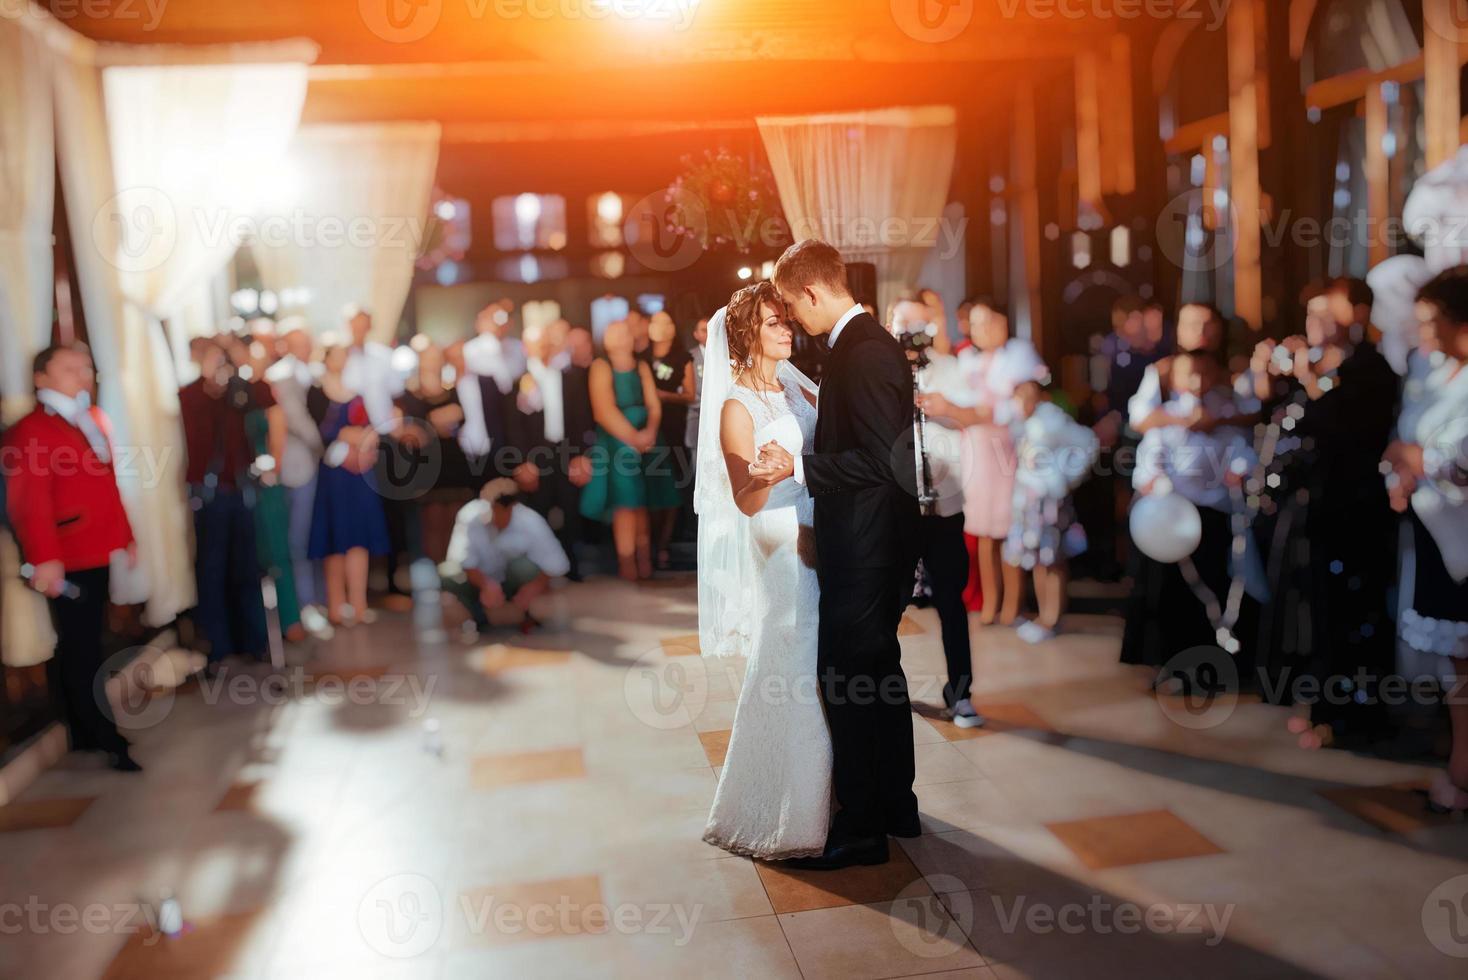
773,465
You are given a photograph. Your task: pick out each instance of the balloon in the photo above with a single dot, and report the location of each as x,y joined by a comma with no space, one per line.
1166,527
1396,283
1433,212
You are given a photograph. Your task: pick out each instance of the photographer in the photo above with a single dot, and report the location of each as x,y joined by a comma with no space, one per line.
938,472
230,613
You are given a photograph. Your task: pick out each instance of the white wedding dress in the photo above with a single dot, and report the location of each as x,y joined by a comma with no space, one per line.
774,797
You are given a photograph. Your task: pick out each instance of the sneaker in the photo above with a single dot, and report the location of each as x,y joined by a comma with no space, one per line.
964,715
1035,633
314,622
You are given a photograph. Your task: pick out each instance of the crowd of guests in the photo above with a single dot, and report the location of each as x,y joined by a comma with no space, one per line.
1327,483
313,457
1328,489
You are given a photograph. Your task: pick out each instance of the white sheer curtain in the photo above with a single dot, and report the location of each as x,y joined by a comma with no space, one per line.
27,182
156,159
356,225
873,183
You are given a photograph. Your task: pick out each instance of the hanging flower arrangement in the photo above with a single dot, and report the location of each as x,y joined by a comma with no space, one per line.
721,200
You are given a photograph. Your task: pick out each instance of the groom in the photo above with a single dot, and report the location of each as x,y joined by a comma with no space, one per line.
865,525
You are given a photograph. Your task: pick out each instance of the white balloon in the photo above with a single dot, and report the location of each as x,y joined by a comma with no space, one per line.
1166,527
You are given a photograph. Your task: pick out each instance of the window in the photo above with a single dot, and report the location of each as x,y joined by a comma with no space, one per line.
606,214
530,221
609,265
606,311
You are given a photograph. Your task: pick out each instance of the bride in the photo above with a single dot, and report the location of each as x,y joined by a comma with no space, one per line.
757,591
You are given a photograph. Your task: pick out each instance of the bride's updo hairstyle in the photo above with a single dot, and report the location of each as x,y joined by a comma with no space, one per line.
744,319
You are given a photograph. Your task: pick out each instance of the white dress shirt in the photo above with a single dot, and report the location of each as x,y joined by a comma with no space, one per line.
369,373
546,398
473,434
846,318
490,357
477,544
835,335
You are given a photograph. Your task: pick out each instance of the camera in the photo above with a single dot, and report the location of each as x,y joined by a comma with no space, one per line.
917,340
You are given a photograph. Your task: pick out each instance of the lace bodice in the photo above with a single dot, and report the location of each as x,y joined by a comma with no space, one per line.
767,408
788,418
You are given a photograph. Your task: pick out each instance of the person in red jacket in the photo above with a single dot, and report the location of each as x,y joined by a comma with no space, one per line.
68,519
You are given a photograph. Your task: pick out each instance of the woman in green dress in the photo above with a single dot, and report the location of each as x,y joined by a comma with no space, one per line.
632,471
266,429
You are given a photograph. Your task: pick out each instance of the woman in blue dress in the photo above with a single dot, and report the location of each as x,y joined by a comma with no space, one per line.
348,525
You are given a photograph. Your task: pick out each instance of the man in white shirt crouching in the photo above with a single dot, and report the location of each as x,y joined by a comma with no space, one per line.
501,553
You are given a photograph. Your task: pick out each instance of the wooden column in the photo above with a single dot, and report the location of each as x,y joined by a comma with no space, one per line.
1025,217
1378,176
1088,129
1244,23
1442,37
1118,138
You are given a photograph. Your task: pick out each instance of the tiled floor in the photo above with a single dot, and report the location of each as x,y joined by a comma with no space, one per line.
534,807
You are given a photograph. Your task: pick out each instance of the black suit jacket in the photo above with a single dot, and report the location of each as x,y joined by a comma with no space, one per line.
862,473
526,431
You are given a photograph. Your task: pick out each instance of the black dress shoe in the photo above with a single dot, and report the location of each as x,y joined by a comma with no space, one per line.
845,854
906,827
123,762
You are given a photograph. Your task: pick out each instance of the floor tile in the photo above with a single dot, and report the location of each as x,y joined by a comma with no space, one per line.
1001,717
43,814
681,646
1400,808
240,796
1132,838
498,658
494,771
715,745
940,762
530,911
793,890
910,936
204,949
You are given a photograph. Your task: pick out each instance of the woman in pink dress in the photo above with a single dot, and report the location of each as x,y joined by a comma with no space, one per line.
993,367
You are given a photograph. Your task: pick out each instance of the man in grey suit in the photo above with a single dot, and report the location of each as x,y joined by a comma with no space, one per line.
291,378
